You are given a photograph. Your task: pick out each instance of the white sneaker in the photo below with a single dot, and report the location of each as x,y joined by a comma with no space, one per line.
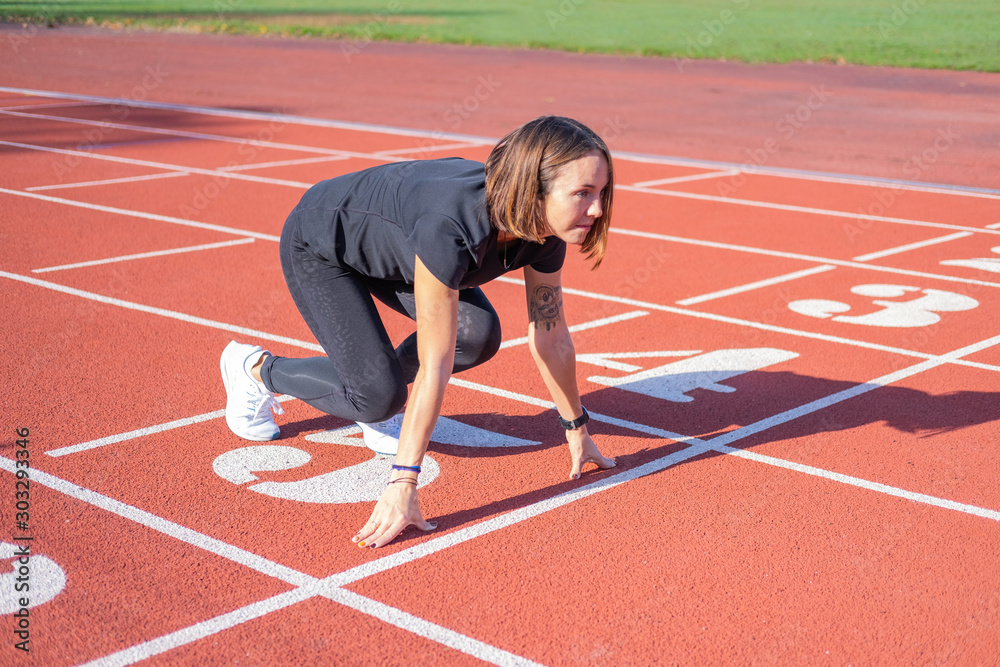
248,403
383,437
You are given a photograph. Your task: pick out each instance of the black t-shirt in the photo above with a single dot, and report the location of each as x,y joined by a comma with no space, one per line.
377,220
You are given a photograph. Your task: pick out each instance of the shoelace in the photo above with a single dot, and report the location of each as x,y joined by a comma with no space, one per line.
257,401
393,423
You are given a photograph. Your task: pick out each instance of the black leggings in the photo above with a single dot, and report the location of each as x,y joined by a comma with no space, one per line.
363,378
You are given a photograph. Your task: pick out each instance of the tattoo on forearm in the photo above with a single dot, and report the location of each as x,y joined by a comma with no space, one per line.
545,306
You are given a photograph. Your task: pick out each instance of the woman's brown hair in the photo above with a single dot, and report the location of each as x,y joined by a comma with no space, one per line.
520,171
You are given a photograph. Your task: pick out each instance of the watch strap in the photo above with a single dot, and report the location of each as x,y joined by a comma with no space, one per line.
576,423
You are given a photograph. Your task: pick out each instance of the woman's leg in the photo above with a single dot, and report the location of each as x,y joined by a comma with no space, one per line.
479,333
360,379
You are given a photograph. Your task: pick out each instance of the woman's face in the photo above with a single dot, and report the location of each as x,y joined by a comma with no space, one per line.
574,201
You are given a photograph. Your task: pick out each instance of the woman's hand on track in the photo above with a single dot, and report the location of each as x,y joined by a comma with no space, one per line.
583,450
396,509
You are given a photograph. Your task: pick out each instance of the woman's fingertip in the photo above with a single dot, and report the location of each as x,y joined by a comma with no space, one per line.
362,544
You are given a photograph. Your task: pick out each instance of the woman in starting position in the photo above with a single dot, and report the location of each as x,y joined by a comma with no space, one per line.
421,237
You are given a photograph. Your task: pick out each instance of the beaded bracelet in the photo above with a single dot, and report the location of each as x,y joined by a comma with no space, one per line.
415,469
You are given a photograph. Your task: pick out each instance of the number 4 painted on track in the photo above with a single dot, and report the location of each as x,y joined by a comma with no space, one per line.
671,382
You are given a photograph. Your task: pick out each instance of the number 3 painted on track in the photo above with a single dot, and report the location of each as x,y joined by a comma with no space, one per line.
919,312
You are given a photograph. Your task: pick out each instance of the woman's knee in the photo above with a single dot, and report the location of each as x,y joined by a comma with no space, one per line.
376,404
479,338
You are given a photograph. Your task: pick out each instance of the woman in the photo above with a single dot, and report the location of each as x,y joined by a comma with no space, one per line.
421,237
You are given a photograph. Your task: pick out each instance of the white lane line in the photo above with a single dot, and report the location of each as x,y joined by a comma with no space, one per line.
549,405
139,214
685,179
426,629
255,115
749,287
138,433
206,628
812,259
877,487
513,342
141,432
107,181
53,105
200,136
286,163
797,209
429,149
160,165
159,524
819,176
754,325
995,225
145,255
163,312
911,246
895,184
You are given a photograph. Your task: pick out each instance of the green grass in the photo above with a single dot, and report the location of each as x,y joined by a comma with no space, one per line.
949,34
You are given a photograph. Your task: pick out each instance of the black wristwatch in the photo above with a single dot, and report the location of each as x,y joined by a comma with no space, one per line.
576,423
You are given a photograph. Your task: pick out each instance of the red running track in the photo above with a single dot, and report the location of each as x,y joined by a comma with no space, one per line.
800,389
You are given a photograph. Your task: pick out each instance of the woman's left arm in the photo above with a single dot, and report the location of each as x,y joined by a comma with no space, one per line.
551,346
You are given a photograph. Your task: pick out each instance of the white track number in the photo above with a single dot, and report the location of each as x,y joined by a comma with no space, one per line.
988,264
921,311
671,382
39,581
362,482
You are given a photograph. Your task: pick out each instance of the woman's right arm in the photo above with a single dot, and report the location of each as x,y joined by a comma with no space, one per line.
437,329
